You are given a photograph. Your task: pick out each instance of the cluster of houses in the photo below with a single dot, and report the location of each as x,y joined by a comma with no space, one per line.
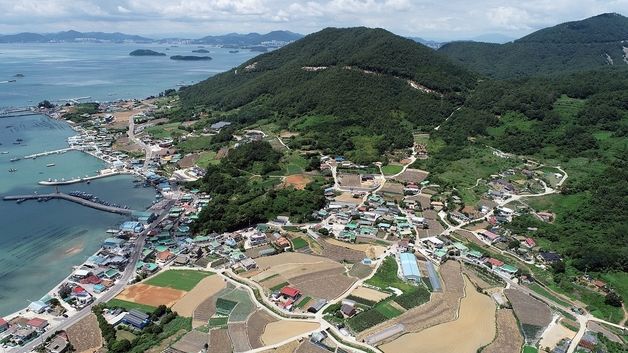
21,330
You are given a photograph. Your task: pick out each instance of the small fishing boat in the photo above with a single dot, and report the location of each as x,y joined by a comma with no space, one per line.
12,170
15,159
50,165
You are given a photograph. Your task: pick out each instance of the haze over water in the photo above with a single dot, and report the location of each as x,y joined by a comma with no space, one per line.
41,241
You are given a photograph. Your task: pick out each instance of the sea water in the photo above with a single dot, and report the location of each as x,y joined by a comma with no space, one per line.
40,242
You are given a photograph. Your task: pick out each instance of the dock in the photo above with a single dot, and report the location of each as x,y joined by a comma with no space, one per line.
78,200
47,153
76,180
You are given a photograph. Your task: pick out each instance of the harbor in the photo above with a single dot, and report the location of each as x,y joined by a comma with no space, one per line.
71,198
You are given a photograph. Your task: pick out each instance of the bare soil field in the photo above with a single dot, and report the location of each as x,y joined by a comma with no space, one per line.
192,342
372,251
282,330
85,335
529,310
239,338
286,348
369,294
509,339
329,284
349,180
474,328
255,252
554,334
412,175
360,270
256,325
442,307
151,295
341,253
124,144
309,347
479,282
298,181
392,188
467,235
219,341
189,160
348,198
206,288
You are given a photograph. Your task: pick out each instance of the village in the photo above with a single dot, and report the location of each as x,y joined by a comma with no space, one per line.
391,258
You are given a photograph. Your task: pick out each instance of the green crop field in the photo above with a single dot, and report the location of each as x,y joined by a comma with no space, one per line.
178,279
365,320
528,349
298,243
392,169
224,306
386,276
388,310
218,321
303,302
278,287
118,303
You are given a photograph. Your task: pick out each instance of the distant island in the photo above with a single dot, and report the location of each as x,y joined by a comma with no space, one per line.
190,57
146,52
203,51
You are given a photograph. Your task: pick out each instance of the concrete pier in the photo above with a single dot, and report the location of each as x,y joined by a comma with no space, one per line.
80,201
77,180
63,150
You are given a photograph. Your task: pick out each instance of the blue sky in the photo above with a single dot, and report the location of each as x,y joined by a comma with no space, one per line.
442,20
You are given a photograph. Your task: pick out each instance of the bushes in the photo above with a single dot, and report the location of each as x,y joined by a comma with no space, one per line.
413,298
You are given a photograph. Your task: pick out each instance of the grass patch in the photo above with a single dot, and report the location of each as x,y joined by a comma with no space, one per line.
391,169
386,309
299,243
194,144
165,131
178,279
530,349
303,302
386,276
619,282
207,158
125,335
278,287
126,305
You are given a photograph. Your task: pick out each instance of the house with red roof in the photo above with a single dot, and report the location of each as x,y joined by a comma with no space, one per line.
494,262
4,325
290,292
489,236
529,242
37,323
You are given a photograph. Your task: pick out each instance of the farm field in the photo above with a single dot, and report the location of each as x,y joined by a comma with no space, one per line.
85,335
193,341
219,341
127,305
298,243
371,251
369,294
183,280
533,315
282,330
392,169
150,295
474,328
206,288
297,181
412,175
508,337
256,325
341,253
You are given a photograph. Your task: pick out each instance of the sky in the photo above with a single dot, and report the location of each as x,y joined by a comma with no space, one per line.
440,20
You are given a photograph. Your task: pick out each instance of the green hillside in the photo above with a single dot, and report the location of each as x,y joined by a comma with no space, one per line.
359,77
573,46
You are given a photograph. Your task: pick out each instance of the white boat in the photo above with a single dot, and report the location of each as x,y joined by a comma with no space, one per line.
112,231
50,165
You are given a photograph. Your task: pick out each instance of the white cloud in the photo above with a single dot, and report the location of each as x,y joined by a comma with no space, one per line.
452,19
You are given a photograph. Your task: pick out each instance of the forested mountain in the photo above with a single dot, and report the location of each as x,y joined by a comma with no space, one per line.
339,86
71,36
573,46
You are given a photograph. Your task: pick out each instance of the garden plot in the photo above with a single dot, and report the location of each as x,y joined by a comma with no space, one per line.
256,325
205,289
192,342
412,175
474,328
279,331
207,308
244,306
341,253
328,284
360,270
219,341
239,338
533,314
508,338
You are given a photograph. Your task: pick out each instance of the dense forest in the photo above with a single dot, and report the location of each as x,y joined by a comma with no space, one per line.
359,76
578,120
581,45
240,199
